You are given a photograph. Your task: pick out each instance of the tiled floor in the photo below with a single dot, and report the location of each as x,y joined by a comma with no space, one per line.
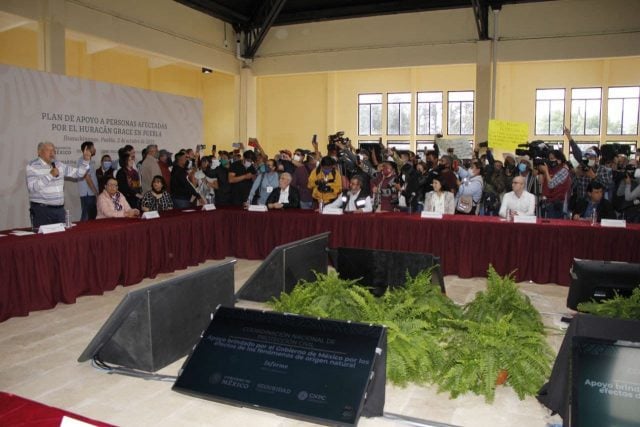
38,357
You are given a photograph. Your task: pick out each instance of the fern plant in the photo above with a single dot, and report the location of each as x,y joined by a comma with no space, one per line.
411,314
618,306
432,340
483,348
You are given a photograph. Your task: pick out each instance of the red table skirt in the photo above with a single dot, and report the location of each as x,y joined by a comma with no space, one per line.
18,411
39,271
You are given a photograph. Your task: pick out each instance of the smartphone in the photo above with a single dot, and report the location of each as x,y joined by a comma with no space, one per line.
236,145
314,140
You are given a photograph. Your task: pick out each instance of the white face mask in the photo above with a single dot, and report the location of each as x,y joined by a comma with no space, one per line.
636,174
361,156
390,158
247,164
591,163
297,158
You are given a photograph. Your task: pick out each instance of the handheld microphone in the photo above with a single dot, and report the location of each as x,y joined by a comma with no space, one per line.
53,164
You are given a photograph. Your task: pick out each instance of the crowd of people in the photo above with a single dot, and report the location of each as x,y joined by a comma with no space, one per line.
359,180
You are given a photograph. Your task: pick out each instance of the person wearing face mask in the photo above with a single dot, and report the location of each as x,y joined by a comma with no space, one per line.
88,186
301,179
325,182
355,199
113,204
241,177
221,177
556,184
104,172
149,167
589,170
128,178
183,193
470,186
629,189
383,188
264,184
532,185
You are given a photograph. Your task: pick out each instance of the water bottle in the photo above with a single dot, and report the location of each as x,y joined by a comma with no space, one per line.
594,217
67,218
320,205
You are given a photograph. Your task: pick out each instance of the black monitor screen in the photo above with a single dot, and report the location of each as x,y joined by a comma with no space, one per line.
600,280
307,368
605,383
155,326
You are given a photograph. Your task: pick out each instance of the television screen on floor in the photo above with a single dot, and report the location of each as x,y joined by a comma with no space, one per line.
601,280
319,370
285,266
605,383
155,326
381,269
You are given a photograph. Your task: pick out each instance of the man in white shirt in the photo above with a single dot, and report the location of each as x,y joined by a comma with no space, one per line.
519,201
285,196
353,200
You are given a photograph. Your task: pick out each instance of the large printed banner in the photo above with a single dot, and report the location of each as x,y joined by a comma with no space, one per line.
37,106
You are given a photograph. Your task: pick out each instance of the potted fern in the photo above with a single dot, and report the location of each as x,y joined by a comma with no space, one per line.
618,306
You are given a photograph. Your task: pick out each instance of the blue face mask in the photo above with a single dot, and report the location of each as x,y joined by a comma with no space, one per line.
224,162
106,165
522,167
326,171
262,168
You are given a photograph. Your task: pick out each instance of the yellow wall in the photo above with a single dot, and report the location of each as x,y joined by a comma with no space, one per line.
19,47
219,110
290,110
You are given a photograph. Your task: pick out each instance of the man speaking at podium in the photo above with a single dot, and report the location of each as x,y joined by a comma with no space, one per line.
45,183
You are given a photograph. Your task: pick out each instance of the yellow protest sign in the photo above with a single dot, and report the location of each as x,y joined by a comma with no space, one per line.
505,136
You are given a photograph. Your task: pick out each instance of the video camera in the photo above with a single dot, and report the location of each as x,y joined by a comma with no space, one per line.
338,138
610,151
537,150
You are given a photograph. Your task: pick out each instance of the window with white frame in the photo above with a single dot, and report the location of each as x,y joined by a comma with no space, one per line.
585,111
622,115
398,113
400,145
370,114
549,111
429,113
460,113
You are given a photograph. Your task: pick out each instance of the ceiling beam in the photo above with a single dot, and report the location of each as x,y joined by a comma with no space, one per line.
264,19
481,13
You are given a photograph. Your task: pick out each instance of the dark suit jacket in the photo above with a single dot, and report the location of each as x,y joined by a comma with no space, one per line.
294,197
605,209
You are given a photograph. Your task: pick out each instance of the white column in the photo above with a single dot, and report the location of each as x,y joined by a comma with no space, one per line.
51,34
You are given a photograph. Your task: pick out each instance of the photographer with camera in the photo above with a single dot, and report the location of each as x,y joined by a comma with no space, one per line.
325,182
630,190
589,170
556,185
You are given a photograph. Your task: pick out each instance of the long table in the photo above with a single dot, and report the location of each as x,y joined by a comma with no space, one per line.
39,271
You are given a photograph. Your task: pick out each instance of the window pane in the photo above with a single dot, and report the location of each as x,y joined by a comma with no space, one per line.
461,96
614,120
376,119
370,98
586,93
577,117
429,96
542,118
454,118
399,97
549,94
630,117
364,120
422,119
467,118
405,119
624,92
556,124
435,119
393,119
592,120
